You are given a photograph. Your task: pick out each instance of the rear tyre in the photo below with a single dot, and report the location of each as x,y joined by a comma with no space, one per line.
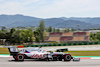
20,57
67,57
14,58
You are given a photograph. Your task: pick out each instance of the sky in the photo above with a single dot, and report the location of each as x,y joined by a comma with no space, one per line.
51,8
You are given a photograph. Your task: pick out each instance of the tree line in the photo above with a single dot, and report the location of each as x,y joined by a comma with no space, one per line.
95,36
17,36
23,36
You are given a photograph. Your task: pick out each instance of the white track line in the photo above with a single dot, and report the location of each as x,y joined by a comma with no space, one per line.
95,57
5,56
82,57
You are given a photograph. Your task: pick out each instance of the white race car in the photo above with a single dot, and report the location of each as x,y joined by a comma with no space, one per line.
38,53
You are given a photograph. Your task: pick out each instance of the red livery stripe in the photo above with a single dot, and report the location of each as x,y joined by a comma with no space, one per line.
85,57
55,55
20,46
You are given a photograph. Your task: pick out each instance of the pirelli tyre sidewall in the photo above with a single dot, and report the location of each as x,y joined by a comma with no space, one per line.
20,57
67,57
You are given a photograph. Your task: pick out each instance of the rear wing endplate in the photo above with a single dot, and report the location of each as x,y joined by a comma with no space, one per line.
13,50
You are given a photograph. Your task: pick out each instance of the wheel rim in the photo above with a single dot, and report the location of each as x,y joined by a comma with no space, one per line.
68,57
20,57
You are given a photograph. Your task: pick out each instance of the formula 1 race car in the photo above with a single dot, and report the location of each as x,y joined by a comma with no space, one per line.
38,53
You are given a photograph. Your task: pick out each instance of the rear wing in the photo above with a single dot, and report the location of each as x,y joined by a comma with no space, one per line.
13,51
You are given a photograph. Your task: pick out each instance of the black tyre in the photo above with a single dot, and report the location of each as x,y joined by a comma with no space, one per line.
14,57
60,58
67,57
47,59
20,57
54,58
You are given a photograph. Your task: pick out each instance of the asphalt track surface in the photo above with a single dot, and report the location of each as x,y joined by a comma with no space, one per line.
9,62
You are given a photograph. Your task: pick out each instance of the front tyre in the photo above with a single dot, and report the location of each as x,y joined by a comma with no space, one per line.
67,57
60,58
20,57
54,58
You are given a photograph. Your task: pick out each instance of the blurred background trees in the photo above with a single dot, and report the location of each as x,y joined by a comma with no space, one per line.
39,33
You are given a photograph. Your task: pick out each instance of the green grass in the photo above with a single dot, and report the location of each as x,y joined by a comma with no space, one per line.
73,53
1,45
84,53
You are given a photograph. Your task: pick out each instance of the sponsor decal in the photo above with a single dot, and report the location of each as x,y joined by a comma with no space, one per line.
13,49
39,56
55,54
27,52
44,56
36,56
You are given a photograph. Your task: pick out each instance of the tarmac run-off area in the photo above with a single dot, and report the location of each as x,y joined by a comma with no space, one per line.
9,62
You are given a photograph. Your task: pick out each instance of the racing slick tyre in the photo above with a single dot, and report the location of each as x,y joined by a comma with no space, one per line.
20,57
60,58
54,58
14,58
67,57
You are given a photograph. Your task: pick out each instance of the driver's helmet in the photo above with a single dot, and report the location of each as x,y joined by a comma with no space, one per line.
50,51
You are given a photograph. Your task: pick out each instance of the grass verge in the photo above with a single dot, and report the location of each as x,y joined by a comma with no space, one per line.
73,53
84,53
4,51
